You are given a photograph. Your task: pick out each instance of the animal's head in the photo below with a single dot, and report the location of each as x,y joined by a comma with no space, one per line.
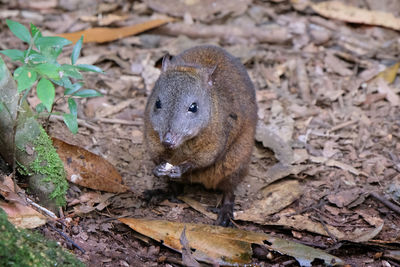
180,103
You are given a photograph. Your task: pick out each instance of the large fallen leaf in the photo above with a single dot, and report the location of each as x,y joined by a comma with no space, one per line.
338,10
23,216
101,35
304,223
87,169
224,246
274,198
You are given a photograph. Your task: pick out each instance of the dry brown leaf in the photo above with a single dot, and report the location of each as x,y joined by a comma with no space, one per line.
23,216
368,216
304,223
101,35
345,197
338,10
187,255
224,246
87,169
271,138
338,164
275,197
363,236
198,206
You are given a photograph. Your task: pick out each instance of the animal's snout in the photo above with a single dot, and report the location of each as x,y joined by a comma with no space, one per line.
169,140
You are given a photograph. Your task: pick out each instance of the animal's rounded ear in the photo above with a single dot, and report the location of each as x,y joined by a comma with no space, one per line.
207,74
166,62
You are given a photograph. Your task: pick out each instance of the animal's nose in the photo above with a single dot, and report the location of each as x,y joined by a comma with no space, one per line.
169,141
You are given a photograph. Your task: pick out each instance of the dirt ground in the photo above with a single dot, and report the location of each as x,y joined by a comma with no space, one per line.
327,149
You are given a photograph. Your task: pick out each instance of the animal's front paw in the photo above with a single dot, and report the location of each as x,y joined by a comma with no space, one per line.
167,169
162,169
175,172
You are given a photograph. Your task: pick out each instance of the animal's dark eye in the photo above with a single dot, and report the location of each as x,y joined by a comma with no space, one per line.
193,107
158,104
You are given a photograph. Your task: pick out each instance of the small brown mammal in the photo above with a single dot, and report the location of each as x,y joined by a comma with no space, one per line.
200,122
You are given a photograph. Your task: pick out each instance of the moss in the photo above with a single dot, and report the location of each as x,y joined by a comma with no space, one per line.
49,164
22,169
20,247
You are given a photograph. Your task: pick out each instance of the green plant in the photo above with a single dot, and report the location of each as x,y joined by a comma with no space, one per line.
39,64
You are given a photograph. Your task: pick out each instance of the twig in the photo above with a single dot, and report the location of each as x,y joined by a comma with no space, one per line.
386,202
324,226
118,121
67,238
342,125
334,247
82,123
44,210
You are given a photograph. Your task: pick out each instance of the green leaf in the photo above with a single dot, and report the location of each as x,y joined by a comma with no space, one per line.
35,30
25,78
19,30
46,93
73,107
53,53
64,82
51,41
49,70
37,58
71,122
40,108
71,71
87,67
75,87
76,51
87,93
14,54
1,106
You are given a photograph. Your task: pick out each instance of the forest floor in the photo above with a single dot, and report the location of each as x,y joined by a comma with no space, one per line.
327,149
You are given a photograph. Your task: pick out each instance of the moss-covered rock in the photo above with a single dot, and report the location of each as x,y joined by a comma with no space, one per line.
19,247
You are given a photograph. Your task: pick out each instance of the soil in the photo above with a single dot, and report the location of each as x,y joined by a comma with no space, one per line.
335,130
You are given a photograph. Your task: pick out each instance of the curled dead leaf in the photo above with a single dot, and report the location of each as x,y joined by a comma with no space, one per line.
87,169
274,198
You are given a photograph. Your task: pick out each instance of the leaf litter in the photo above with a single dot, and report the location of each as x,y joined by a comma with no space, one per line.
328,133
